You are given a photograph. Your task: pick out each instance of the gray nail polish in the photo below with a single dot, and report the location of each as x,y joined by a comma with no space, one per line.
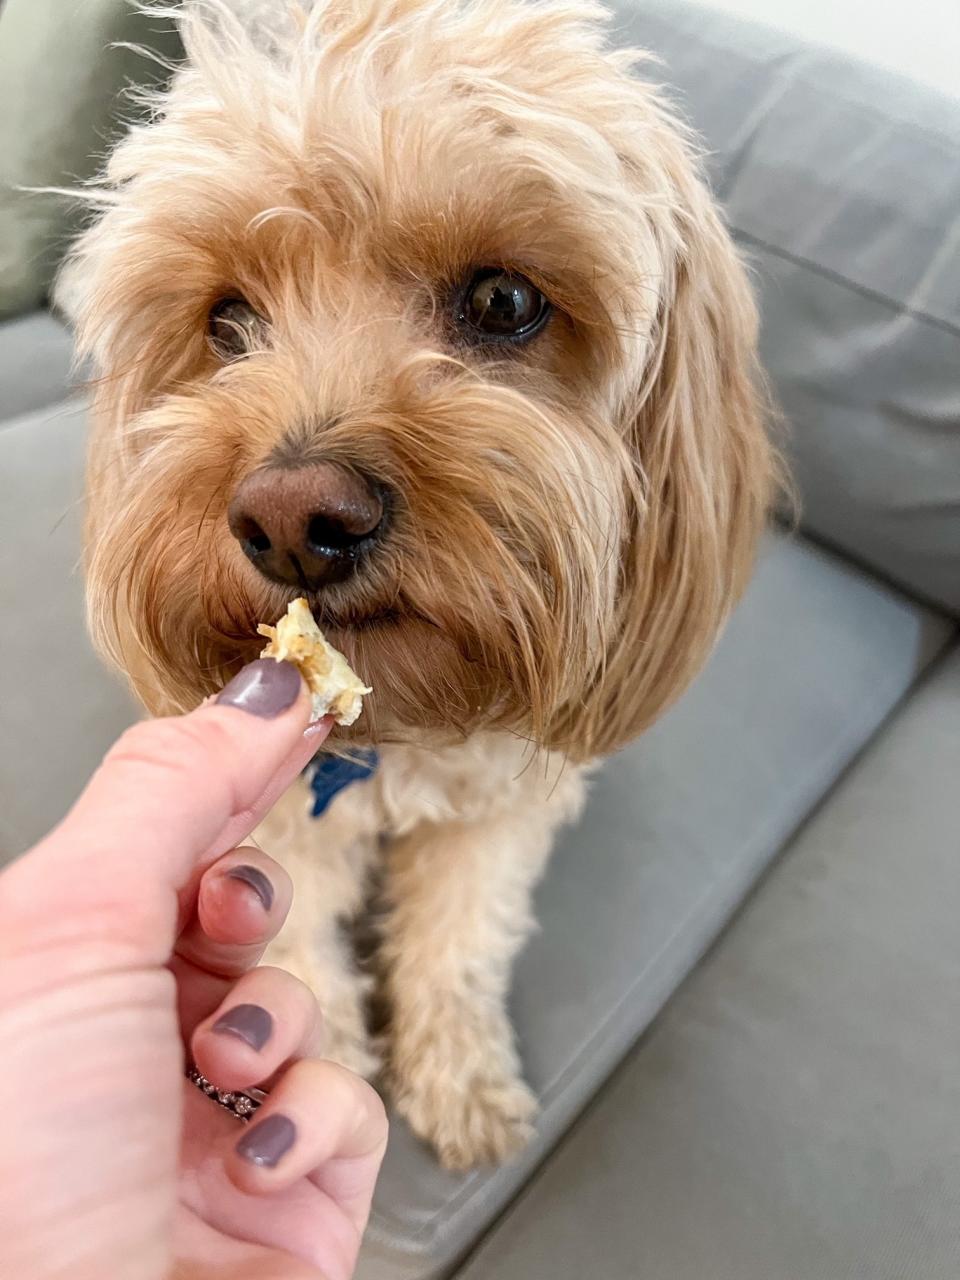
257,881
263,688
248,1022
268,1141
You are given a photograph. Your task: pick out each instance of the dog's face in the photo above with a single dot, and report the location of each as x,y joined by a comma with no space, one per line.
423,313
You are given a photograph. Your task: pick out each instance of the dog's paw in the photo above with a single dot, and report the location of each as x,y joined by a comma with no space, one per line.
342,1000
470,1122
461,1093
345,1041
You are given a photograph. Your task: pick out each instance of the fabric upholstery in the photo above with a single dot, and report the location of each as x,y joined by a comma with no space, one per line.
59,711
795,1113
925,49
842,183
59,105
35,364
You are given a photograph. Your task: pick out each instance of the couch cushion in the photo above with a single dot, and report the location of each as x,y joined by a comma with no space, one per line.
35,364
678,828
795,1114
843,183
59,103
59,711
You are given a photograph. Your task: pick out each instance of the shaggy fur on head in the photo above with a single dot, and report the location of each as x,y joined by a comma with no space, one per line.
577,516
573,517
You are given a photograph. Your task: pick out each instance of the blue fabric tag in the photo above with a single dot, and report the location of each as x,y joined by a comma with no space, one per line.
332,774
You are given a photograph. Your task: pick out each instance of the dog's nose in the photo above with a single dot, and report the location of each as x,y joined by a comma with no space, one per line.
306,526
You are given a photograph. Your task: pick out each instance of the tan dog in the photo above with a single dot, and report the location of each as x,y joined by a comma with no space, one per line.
421,309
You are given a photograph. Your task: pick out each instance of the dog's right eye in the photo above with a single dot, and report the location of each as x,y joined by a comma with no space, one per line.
234,328
502,306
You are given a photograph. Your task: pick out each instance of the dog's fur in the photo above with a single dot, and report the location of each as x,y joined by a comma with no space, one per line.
574,517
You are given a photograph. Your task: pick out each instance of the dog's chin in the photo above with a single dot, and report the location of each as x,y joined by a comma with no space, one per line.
427,684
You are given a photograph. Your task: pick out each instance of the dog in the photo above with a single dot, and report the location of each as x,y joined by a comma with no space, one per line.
421,309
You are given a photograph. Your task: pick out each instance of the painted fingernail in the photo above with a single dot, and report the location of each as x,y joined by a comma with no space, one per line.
263,688
266,1143
254,878
248,1022
318,728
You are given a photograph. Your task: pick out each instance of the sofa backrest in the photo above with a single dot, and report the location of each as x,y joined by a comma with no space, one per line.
842,183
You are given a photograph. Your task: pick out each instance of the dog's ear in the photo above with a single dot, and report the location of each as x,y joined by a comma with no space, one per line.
705,477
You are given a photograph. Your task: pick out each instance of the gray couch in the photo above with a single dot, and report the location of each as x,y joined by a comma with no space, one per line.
742,1012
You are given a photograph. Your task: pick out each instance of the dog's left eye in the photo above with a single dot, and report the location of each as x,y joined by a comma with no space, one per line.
498,304
234,328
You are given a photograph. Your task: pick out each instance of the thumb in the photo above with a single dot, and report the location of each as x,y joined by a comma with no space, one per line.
170,796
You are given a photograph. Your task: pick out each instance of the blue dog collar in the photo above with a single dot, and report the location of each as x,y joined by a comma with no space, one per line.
332,773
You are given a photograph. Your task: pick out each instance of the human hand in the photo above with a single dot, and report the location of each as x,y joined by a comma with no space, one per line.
130,932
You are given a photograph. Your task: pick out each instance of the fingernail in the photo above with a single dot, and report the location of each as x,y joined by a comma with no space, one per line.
263,688
321,726
248,1022
254,878
267,1142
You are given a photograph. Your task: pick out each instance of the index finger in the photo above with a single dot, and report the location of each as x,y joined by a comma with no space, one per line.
170,796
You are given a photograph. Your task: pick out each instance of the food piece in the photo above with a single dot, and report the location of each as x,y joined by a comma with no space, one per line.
337,690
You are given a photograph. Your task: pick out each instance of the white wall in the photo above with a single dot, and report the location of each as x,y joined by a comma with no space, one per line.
920,38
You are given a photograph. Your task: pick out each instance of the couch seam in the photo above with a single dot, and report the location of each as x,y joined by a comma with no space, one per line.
837,277
820,56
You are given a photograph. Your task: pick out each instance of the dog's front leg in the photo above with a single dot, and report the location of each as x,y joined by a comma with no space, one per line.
458,912
328,860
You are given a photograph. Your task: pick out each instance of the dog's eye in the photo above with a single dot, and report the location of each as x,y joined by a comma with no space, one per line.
499,304
234,328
